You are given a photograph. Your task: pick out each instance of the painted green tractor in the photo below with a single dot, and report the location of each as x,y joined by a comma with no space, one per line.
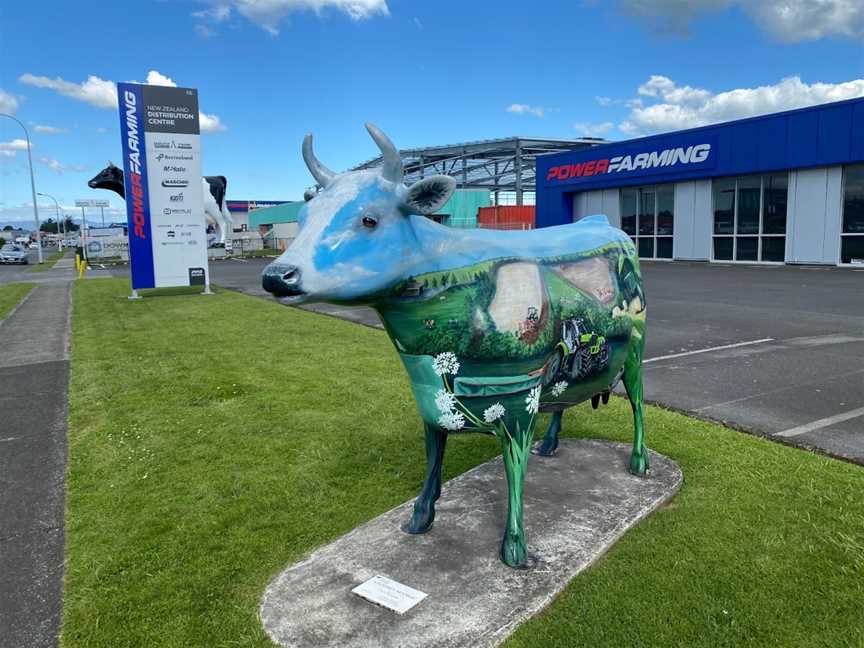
578,354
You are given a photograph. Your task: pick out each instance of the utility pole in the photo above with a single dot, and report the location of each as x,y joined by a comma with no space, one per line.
32,185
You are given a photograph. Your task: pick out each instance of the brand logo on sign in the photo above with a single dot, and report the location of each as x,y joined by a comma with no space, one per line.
175,183
178,197
133,142
173,169
168,156
653,160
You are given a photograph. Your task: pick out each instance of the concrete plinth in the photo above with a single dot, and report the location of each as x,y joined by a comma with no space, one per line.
577,504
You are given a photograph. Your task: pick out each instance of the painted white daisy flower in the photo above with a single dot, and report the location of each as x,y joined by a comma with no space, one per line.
446,363
493,413
559,388
444,401
452,421
532,401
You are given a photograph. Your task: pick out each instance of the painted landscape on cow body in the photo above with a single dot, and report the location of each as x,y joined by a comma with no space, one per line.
562,324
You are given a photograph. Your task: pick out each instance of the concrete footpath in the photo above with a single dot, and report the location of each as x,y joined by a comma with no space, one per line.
34,371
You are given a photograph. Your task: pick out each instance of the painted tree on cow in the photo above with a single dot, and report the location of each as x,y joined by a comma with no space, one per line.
492,327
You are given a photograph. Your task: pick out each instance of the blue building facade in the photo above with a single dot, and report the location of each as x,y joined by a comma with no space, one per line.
780,188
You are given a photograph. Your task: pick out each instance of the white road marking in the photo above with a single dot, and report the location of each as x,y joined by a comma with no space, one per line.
821,423
776,391
708,350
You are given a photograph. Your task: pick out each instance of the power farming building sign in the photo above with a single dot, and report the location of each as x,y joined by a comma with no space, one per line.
164,200
638,159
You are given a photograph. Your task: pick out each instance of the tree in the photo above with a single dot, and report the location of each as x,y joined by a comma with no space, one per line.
8,228
48,226
2,241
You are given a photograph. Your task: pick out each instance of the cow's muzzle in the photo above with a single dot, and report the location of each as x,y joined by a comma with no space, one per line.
282,280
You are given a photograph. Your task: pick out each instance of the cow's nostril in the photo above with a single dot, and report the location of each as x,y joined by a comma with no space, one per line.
282,280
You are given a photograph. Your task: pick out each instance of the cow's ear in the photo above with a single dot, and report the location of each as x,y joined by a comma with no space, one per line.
427,196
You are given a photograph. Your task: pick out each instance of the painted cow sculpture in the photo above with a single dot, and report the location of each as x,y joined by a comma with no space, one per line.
491,326
213,188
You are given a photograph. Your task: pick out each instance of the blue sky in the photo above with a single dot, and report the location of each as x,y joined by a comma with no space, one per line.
427,73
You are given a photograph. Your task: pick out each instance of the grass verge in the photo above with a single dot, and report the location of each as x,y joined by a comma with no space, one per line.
11,295
204,459
48,262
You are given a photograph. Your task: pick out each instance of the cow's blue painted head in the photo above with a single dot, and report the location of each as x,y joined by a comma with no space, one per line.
356,238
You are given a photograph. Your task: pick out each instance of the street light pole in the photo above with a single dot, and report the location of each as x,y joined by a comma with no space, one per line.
32,184
56,212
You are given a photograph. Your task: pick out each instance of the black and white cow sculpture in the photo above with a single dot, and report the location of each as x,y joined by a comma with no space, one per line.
214,189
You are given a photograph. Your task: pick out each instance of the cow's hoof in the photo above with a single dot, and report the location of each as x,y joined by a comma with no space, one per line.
420,522
545,448
514,553
639,463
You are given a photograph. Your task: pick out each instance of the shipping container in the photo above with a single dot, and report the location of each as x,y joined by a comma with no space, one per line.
506,217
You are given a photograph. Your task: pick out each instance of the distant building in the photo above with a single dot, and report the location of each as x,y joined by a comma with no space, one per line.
240,210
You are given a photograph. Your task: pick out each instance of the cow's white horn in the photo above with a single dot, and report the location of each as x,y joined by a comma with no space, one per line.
323,176
391,167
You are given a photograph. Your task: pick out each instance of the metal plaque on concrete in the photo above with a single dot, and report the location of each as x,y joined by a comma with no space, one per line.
390,594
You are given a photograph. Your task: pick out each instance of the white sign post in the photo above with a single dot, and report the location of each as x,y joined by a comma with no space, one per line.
164,200
88,202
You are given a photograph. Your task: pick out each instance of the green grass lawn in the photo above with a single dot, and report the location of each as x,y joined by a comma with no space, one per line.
215,440
11,295
48,261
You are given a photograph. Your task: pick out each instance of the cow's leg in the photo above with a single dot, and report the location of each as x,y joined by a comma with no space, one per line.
516,450
424,505
632,379
549,444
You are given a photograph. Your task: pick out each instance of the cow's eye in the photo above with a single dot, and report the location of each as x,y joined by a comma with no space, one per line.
369,222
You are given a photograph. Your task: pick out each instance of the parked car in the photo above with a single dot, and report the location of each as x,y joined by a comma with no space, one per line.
14,254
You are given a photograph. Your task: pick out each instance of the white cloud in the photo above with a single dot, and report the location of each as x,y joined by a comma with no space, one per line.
49,130
268,14
154,77
525,109
8,102
786,20
593,129
103,94
210,123
204,31
58,167
680,107
10,149
95,91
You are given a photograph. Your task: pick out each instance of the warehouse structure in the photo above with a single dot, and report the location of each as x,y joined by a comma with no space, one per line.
786,187
502,167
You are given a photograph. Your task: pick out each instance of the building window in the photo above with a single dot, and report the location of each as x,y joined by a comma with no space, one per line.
852,236
647,215
750,218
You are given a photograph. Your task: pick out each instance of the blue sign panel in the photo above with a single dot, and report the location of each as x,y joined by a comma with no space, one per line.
135,178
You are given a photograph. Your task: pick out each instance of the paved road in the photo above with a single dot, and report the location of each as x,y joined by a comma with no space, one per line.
34,372
795,335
